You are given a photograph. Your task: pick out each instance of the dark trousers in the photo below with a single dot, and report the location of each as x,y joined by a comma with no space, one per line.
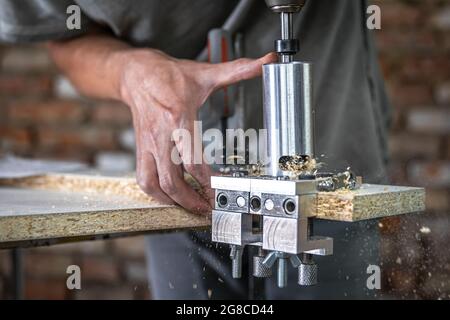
186,265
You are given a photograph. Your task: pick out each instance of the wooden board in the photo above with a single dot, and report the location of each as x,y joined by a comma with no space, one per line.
30,215
369,202
68,206
57,208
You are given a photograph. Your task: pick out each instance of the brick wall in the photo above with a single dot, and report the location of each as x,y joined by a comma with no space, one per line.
414,48
110,269
41,116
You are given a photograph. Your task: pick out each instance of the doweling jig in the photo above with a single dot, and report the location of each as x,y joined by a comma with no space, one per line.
275,211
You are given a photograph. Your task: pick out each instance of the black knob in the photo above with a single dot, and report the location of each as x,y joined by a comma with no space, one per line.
285,5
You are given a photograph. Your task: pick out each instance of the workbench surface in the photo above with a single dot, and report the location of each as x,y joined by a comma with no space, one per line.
63,207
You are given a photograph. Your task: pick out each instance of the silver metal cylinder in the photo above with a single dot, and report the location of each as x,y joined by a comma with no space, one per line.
236,261
236,267
282,272
286,25
286,33
288,112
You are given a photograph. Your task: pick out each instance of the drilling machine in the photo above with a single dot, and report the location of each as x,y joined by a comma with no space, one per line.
275,211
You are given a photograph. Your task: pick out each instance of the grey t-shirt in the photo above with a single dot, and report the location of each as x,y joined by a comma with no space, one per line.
352,111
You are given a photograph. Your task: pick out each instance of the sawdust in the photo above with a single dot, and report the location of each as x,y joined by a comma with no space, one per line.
299,164
254,170
94,184
343,190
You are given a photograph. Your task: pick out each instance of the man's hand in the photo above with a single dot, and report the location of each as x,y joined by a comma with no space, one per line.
163,94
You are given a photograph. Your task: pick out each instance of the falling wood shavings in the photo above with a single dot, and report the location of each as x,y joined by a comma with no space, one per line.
425,230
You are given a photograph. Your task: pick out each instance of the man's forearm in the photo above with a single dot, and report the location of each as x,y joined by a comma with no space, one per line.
164,95
92,63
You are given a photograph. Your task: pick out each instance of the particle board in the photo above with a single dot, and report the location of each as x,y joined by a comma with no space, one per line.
369,202
72,205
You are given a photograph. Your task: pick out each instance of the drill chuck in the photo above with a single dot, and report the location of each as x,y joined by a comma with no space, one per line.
285,5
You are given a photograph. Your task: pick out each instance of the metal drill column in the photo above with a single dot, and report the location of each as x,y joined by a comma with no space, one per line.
288,113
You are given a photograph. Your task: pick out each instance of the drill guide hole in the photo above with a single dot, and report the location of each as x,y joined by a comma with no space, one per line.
255,203
289,206
222,200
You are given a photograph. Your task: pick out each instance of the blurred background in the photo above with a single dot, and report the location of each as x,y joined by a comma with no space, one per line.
41,116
